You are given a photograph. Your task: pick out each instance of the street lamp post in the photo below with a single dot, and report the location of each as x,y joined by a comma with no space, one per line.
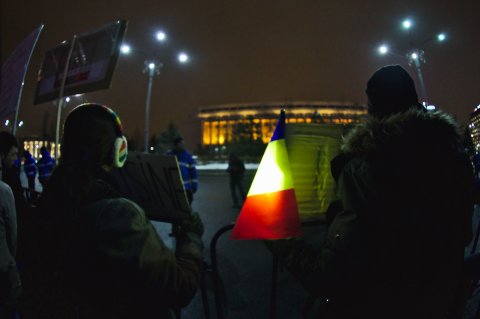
152,67
415,56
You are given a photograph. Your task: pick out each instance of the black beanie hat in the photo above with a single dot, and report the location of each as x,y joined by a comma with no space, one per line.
391,90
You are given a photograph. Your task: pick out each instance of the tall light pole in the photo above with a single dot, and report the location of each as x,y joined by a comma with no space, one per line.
152,67
415,56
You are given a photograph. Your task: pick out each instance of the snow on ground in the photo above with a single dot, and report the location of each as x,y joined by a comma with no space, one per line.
222,166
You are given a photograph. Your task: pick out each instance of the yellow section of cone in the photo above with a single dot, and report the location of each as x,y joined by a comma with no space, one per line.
274,172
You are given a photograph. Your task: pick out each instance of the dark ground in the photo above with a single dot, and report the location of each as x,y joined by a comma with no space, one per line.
246,266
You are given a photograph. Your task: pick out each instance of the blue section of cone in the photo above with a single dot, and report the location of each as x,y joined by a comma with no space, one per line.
280,129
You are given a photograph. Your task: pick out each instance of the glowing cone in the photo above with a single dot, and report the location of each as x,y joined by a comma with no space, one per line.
270,210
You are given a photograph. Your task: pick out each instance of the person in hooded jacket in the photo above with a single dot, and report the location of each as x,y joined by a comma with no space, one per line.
94,253
45,166
30,168
395,246
187,167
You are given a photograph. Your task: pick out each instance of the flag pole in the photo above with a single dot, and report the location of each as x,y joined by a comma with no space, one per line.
60,98
14,128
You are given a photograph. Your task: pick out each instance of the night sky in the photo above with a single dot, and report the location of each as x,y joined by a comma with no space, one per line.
253,51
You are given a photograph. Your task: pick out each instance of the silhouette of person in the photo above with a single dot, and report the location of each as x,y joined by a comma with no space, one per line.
10,173
30,168
45,166
187,167
235,169
10,284
96,254
395,246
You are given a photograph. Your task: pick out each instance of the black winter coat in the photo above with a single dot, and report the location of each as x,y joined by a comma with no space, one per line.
106,261
395,249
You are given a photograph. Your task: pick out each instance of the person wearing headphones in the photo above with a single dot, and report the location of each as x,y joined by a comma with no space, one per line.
100,256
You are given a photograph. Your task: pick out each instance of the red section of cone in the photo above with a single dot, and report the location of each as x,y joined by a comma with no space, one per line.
268,216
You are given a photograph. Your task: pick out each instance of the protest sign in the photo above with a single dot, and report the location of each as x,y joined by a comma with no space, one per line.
90,63
153,182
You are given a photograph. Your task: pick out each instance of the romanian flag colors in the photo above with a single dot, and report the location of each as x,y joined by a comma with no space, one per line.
270,210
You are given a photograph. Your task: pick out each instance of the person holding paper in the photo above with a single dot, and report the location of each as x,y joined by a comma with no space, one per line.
94,253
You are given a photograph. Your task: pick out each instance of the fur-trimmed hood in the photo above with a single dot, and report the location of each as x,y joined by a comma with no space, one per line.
411,129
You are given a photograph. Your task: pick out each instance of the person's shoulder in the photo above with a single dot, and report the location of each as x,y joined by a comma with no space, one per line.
115,204
5,190
115,213
7,200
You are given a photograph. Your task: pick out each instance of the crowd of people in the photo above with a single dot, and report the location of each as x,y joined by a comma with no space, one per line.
395,238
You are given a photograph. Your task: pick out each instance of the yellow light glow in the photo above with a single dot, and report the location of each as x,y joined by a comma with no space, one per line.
273,173
214,133
222,132
230,131
206,133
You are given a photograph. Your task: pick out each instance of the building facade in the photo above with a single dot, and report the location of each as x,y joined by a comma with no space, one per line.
225,124
34,144
474,127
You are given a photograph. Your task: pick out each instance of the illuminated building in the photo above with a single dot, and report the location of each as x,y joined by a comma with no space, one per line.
475,128
221,124
33,145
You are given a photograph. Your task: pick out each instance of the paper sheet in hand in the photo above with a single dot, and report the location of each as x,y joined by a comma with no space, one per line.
311,147
154,182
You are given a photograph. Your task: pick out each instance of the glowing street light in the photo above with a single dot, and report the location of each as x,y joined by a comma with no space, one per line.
161,36
407,23
125,49
152,67
383,49
20,124
7,122
415,56
183,57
